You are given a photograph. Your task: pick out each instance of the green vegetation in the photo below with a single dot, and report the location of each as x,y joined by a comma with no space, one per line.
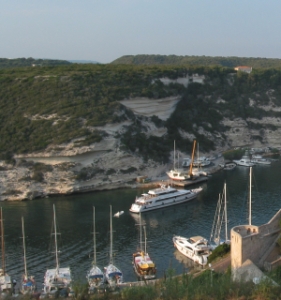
52,105
231,61
205,286
219,252
30,62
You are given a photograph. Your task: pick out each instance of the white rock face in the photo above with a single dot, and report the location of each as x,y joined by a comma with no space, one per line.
108,166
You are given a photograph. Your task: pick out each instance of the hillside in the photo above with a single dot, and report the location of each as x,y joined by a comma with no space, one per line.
75,128
30,62
223,61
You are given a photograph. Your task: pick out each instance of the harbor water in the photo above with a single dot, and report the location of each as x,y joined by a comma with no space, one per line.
75,224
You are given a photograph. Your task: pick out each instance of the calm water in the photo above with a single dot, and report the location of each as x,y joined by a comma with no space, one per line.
74,216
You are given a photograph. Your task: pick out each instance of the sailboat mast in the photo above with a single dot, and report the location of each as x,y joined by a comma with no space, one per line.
111,238
24,248
225,214
56,237
250,198
141,248
94,234
2,242
174,154
144,230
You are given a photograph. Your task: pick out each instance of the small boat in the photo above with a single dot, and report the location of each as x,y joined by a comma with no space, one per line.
6,284
144,267
196,248
95,276
162,197
113,275
259,160
245,161
201,162
228,166
57,281
118,214
28,283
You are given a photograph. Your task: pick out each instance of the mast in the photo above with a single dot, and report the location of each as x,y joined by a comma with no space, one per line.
192,158
144,231
94,235
111,238
24,248
56,238
250,198
174,154
2,242
141,248
225,213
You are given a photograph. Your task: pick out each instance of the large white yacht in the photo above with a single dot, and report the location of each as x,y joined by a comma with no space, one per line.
162,197
196,248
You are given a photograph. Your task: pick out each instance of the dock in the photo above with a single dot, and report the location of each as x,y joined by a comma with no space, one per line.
170,182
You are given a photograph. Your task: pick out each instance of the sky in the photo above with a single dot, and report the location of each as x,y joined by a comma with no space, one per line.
104,30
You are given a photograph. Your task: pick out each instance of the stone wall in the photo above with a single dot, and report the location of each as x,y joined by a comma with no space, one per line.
253,242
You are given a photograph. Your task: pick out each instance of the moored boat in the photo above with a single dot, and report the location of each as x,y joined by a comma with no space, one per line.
143,265
28,284
6,284
245,161
95,276
259,160
113,275
162,197
57,281
196,248
228,166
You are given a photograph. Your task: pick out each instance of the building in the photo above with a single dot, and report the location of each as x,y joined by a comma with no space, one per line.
254,247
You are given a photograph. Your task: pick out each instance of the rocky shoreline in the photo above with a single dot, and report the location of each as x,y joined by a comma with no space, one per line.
30,178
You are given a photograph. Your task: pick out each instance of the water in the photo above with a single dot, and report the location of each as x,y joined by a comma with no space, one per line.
74,218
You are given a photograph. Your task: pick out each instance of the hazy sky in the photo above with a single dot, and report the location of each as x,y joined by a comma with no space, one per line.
103,30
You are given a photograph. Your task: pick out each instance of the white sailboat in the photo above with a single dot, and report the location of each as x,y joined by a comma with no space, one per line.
143,265
220,218
6,285
113,275
57,280
28,284
95,276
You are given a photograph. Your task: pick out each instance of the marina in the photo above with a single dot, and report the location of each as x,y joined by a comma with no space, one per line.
75,222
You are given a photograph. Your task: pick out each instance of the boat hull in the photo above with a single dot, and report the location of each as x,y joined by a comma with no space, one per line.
186,249
113,275
143,266
182,197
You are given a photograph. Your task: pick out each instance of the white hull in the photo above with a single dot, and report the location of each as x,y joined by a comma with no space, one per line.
95,278
244,163
198,253
113,275
162,197
259,160
57,279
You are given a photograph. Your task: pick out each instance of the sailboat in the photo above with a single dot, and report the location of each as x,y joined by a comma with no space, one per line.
180,174
220,218
95,276
113,275
6,285
57,280
28,284
143,265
